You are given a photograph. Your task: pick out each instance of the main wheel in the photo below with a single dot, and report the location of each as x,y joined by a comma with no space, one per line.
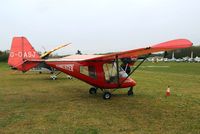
106,95
93,90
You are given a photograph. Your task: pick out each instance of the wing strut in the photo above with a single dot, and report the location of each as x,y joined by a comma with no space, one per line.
117,62
135,69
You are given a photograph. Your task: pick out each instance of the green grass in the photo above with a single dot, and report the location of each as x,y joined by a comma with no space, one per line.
33,103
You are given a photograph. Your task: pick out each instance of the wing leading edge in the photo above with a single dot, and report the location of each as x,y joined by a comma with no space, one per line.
165,46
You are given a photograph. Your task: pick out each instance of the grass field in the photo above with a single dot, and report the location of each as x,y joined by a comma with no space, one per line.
33,103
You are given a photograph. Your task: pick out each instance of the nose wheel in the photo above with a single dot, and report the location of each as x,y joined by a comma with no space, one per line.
130,91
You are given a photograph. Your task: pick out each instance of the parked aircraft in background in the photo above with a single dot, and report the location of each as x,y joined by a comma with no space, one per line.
197,59
103,72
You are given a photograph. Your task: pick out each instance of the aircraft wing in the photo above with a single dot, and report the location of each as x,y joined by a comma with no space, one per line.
165,46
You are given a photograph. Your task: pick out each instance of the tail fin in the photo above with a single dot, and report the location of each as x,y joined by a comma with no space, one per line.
21,51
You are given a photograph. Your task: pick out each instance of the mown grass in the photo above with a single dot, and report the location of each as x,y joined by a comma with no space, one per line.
33,103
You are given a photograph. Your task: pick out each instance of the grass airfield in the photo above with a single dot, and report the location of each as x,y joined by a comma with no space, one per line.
33,103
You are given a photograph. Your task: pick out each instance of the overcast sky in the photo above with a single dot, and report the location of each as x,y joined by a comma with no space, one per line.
95,26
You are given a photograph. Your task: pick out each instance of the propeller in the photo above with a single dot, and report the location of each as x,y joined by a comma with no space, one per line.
49,52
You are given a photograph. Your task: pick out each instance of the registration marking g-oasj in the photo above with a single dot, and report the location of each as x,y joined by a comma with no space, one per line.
26,54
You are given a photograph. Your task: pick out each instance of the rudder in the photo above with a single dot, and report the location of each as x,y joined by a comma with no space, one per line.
22,51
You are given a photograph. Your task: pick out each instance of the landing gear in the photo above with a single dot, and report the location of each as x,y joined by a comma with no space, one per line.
93,90
130,91
53,77
107,92
69,77
106,95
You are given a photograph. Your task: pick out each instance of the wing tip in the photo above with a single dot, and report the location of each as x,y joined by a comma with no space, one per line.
177,43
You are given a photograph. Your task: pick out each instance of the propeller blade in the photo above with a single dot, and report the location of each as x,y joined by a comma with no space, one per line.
49,52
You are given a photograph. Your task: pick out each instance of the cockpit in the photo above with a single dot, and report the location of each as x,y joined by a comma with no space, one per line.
110,72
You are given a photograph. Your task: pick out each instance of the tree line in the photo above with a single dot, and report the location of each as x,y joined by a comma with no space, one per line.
185,52
4,56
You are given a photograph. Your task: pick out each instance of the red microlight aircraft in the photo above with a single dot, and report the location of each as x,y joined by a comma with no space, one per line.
101,71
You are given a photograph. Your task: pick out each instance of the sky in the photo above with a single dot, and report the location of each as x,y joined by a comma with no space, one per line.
98,26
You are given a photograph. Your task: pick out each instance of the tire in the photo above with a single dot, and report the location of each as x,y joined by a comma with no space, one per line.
92,90
53,77
106,95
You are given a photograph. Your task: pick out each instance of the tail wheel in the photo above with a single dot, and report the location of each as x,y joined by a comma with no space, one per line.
93,90
106,95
